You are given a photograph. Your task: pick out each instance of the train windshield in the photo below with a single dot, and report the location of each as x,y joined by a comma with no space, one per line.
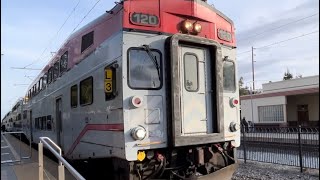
144,68
229,82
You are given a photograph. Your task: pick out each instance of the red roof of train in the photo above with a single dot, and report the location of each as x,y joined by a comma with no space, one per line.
170,13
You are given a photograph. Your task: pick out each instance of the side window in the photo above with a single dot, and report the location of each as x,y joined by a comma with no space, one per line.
43,123
56,71
86,91
64,62
50,75
40,84
229,82
36,123
110,82
44,81
74,96
34,90
191,82
49,123
87,41
24,115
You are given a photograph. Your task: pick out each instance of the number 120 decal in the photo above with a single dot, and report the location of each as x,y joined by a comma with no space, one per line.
144,19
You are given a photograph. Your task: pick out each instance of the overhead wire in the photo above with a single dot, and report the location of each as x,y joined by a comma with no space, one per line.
75,7
85,16
258,34
287,40
279,42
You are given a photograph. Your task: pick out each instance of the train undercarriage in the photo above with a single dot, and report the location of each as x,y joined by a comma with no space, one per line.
205,162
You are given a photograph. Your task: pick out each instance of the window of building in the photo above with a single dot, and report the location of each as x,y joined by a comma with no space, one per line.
144,69
191,82
229,81
50,71
64,62
86,91
273,113
87,41
74,96
19,117
56,71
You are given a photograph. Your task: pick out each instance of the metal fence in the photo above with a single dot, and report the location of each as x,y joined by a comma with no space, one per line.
293,146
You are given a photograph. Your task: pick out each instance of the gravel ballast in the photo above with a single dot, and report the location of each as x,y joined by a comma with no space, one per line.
266,171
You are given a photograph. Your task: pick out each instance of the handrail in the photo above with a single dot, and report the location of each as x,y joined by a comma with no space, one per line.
62,161
20,157
60,152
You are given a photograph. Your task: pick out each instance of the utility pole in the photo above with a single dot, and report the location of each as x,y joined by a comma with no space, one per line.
252,68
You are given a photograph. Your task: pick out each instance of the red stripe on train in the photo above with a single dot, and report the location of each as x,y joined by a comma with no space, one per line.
95,127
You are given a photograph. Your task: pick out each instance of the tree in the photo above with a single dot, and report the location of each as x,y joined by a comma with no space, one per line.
242,90
287,75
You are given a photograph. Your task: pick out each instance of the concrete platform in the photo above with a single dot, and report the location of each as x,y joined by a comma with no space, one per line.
27,169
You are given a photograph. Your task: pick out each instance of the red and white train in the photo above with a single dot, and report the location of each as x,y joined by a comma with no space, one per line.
150,84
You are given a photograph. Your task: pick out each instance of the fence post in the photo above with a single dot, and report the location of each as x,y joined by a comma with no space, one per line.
300,148
40,149
61,172
244,144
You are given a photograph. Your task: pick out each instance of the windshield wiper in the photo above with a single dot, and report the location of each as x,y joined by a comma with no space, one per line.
153,59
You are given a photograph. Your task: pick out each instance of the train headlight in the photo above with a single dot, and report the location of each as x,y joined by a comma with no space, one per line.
197,27
187,26
234,126
138,133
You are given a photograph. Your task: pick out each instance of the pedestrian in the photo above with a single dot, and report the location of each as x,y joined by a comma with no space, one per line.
244,124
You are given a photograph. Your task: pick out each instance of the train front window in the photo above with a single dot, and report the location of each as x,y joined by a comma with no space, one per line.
144,68
229,81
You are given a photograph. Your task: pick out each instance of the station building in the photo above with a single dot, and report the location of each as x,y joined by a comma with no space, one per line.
284,103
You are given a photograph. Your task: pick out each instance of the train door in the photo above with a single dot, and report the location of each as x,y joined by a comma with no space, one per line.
59,122
30,125
196,103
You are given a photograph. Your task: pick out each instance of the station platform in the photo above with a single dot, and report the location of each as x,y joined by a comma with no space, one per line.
26,169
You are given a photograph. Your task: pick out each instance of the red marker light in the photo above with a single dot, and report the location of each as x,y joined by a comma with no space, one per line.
137,100
235,101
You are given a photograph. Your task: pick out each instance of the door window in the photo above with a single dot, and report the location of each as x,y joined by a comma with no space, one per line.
191,82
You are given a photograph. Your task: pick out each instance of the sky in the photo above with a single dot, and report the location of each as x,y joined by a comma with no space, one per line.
284,35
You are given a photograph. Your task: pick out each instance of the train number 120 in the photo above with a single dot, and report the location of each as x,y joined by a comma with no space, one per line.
144,19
